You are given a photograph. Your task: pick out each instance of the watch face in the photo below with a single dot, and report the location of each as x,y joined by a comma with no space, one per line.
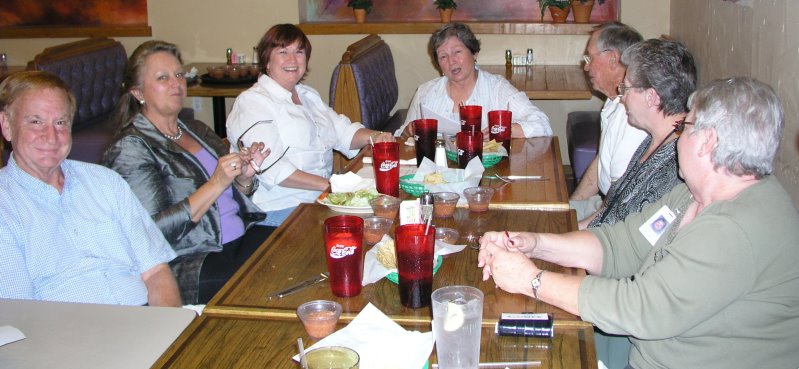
536,282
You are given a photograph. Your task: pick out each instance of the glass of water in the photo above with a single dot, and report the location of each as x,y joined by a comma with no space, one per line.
457,321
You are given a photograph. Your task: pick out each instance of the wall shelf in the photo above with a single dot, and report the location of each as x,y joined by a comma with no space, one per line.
500,28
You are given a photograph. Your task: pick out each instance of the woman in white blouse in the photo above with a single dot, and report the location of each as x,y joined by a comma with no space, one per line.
454,49
291,119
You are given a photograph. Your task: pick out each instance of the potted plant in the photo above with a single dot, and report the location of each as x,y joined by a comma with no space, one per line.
559,9
360,8
582,9
445,9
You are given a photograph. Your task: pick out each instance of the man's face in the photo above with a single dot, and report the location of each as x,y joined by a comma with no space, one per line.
39,126
602,69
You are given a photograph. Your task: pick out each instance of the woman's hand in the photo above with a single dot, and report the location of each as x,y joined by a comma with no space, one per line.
524,242
227,168
512,271
254,156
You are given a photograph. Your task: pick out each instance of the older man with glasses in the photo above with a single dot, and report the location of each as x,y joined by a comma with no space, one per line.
618,139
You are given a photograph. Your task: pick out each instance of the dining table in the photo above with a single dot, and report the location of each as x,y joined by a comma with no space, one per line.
546,82
296,252
231,341
217,91
536,161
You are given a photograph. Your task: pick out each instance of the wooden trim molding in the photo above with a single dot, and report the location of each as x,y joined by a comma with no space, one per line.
62,32
531,28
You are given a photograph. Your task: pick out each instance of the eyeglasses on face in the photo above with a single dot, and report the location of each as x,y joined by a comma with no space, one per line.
622,88
243,147
587,58
679,126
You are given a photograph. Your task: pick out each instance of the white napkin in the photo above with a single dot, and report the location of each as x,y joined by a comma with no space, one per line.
451,145
368,160
457,179
373,271
10,334
349,182
380,342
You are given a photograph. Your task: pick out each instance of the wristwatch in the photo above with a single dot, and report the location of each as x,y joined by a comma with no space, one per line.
536,283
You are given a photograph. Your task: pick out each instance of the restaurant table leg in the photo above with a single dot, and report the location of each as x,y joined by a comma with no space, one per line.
219,116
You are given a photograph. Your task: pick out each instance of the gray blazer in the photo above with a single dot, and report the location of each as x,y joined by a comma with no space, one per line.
163,175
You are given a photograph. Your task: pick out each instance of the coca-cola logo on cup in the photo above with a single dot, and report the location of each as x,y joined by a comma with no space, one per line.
388,165
339,251
497,129
461,152
416,137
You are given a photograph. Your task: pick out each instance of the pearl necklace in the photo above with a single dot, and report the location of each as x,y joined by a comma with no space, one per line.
175,137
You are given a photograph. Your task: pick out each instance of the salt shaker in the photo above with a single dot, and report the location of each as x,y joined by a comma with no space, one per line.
441,155
254,55
529,57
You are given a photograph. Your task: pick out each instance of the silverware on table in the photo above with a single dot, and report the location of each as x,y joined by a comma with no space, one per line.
299,286
512,178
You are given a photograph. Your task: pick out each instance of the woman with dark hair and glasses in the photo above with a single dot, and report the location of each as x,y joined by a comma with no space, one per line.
292,120
715,288
660,77
196,191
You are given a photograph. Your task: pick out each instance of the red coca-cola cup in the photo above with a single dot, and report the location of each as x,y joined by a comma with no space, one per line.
499,122
385,161
471,118
424,133
470,144
415,264
344,246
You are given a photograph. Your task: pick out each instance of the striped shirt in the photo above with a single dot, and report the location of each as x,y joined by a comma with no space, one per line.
91,243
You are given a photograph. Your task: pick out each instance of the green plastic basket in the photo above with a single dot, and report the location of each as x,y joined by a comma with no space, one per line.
394,276
489,160
411,188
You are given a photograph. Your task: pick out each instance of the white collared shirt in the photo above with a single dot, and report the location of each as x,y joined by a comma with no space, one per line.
492,92
311,130
617,143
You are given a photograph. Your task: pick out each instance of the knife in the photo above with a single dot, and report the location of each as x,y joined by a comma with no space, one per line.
299,286
512,177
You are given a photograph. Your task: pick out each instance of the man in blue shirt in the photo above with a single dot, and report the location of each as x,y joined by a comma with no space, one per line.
70,231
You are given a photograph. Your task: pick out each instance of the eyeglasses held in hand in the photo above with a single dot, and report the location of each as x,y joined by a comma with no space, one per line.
243,148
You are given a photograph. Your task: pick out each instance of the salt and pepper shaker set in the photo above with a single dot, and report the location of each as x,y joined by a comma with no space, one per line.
233,58
511,60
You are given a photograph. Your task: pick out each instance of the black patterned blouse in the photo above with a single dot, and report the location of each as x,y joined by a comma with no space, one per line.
641,184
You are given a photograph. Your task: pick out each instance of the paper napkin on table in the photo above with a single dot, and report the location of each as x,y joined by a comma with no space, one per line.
10,334
368,160
380,342
373,271
457,179
349,182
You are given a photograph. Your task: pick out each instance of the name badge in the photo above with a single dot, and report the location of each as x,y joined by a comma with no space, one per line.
656,225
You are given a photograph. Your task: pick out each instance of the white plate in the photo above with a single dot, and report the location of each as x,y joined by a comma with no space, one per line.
345,209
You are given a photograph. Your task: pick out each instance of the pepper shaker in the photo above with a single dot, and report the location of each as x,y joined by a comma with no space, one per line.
508,58
229,56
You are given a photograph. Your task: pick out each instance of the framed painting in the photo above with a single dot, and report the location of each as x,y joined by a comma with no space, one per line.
398,11
73,18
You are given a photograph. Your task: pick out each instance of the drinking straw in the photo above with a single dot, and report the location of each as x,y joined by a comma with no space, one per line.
427,228
421,112
303,363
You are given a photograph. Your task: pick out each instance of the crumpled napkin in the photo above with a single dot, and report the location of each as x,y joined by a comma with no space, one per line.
380,342
368,160
349,182
457,179
373,271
